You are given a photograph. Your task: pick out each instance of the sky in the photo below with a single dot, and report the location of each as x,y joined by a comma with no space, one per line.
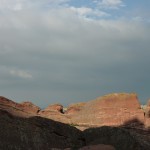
68,51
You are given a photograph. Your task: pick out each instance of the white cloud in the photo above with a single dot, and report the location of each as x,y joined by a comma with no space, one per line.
70,57
11,4
82,10
21,74
16,5
110,4
88,12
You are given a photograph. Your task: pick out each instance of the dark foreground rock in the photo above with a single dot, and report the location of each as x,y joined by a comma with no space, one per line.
98,147
119,138
36,133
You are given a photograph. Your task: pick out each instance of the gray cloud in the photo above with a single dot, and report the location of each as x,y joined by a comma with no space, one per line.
55,56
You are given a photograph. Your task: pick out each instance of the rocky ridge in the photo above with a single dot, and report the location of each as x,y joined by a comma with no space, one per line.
103,120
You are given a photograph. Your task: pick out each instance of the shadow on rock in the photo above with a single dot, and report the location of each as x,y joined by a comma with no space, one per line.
36,133
130,136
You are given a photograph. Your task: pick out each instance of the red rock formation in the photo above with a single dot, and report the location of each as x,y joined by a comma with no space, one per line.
147,115
75,108
29,107
54,108
25,109
54,112
111,110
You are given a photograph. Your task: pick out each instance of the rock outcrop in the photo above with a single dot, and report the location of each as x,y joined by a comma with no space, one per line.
75,108
54,112
110,110
25,109
26,126
29,107
36,133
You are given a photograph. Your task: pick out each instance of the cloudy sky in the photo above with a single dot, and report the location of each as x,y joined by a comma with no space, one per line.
66,51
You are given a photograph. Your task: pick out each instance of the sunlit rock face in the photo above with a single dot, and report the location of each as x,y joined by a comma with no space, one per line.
112,110
75,108
25,109
54,112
